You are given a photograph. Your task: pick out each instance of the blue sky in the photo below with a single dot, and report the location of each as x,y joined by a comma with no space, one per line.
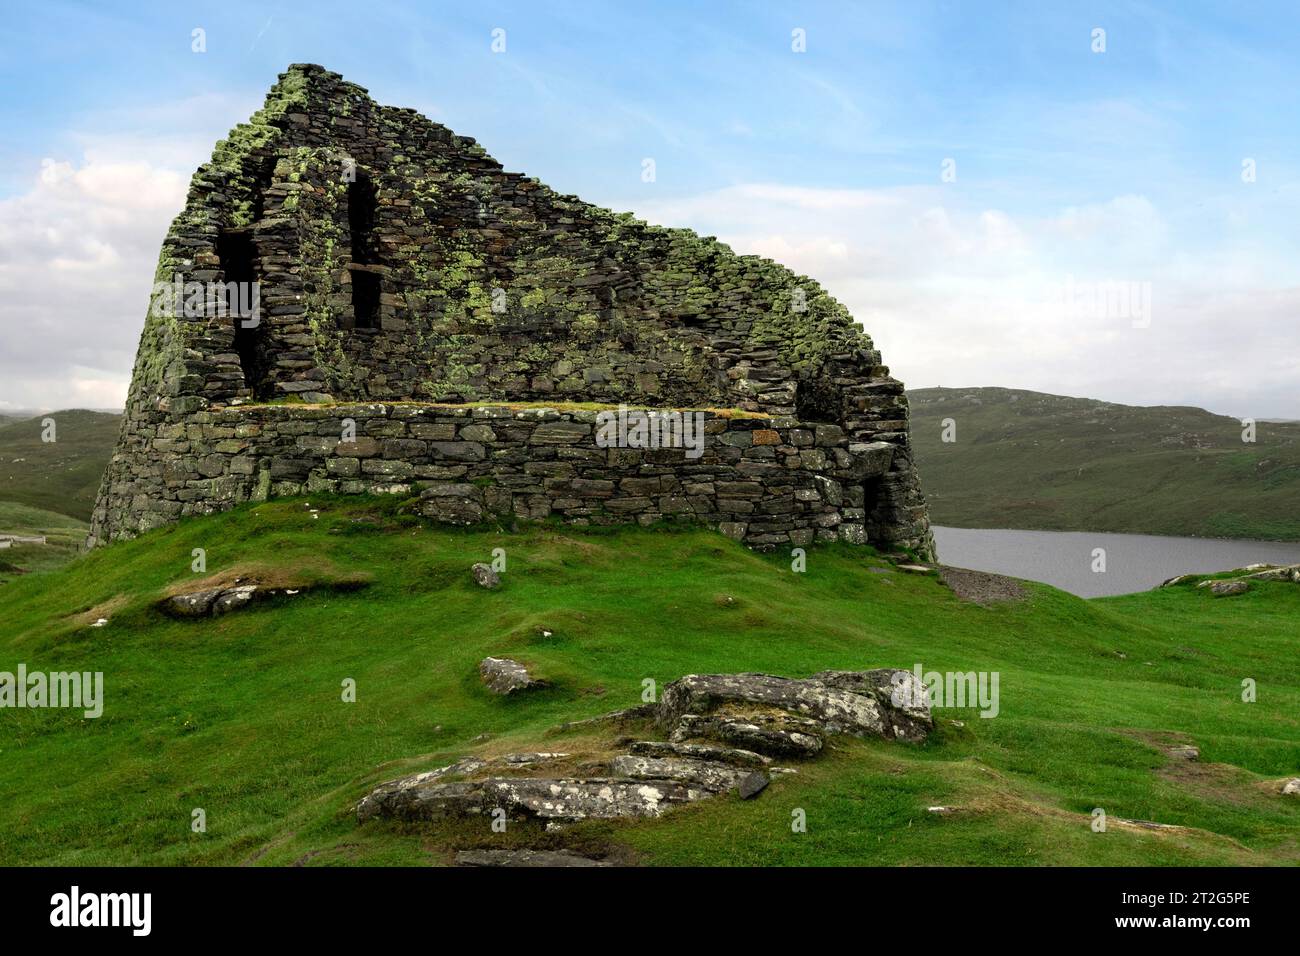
1074,168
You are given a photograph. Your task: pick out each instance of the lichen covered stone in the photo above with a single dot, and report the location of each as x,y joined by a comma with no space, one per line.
397,262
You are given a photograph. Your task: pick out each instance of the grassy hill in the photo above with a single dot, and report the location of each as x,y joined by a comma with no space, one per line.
1029,460
63,539
242,715
63,475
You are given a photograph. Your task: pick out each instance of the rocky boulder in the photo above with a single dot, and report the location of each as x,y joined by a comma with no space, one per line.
385,799
232,599
1289,572
1228,588
724,730
630,785
784,715
904,699
504,676
485,577
214,601
193,604
551,800
778,734
1241,580
728,755
706,774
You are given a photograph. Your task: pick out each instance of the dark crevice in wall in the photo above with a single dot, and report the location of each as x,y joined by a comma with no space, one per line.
365,299
874,504
816,400
263,175
361,227
238,256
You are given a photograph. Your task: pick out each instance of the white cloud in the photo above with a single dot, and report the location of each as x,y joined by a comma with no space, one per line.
77,257
954,294
965,296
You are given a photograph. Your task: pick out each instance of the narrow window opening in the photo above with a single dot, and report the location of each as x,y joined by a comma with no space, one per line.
361,225
238,257
263,175
365,299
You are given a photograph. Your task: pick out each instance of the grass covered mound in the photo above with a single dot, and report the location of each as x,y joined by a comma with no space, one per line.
242,715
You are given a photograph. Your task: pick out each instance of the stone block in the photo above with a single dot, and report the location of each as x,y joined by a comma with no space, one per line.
559,433
457,450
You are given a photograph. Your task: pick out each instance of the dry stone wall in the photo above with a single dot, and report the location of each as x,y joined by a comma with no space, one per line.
767,482
397,262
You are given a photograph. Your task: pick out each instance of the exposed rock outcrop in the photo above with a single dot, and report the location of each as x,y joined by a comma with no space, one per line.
1228,588
1287,572
1241,579
778,734
193,604
860,703
232,599
706,774
217,599
553,800
728,755
725,730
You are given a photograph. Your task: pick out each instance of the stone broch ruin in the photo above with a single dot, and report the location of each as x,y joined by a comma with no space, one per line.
409,285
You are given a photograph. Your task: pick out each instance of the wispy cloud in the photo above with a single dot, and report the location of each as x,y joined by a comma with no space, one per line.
969,296
77,257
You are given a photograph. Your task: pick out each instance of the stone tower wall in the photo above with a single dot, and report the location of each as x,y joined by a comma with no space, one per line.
397,262
766,482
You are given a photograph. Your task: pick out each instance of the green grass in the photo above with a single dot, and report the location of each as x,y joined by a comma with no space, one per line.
242,715
1033,461
61,475
63,539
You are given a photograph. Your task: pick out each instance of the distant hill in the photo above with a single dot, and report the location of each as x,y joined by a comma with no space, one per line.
19,414
1021,460
60,476
1030,460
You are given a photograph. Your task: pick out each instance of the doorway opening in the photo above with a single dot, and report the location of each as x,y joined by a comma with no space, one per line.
361,227
238,257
